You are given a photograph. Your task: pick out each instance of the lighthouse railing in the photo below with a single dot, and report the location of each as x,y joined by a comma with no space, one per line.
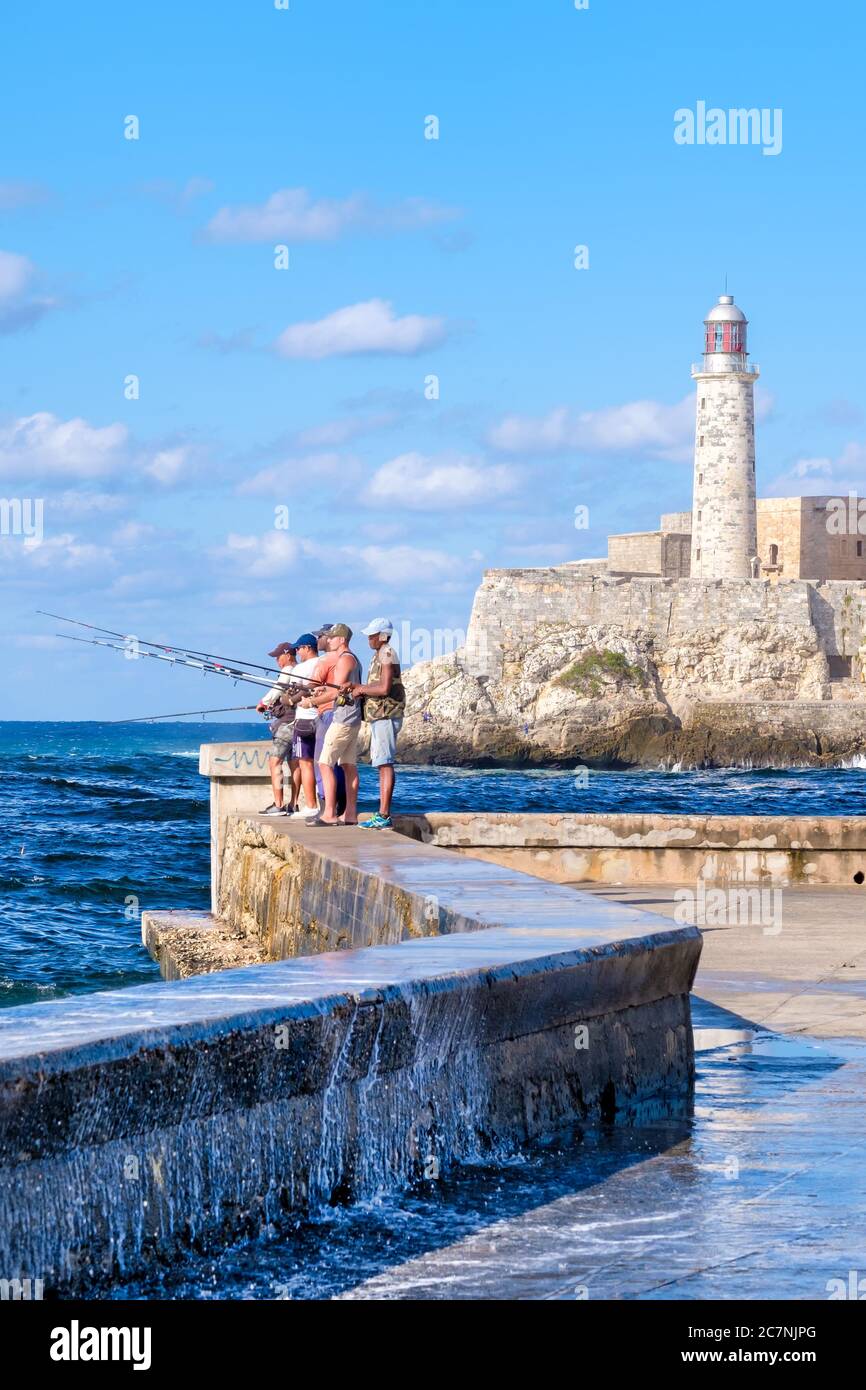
725,362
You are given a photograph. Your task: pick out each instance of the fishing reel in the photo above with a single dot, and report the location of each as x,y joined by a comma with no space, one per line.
344,700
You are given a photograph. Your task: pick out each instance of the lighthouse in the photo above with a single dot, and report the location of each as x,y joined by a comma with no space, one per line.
724,516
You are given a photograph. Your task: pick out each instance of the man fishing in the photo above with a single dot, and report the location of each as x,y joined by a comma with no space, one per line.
341,740
306,723
325,703
279,702
384,706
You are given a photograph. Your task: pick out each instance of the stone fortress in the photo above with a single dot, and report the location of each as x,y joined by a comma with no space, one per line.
736,633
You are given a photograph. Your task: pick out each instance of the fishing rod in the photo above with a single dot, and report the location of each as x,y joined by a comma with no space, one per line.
184,714
207,667
161,646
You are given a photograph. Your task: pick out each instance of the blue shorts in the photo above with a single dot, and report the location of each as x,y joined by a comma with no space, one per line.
304,746
383,741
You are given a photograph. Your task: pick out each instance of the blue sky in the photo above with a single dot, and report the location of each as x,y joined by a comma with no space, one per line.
304,388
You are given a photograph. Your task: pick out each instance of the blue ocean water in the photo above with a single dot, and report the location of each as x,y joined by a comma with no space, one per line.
99,822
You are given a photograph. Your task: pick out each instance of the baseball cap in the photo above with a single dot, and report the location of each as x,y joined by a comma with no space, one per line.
307,639
282,649
320,631
378,625
340,630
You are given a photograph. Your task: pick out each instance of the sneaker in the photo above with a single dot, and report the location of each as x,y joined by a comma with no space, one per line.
305,814
273,810
377,822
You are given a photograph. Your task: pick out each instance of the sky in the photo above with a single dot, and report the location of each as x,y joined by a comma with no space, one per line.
316,344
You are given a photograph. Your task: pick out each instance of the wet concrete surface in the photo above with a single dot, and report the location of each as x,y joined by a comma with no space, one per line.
800,970
761,1194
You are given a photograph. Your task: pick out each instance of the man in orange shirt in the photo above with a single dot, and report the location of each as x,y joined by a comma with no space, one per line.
324,700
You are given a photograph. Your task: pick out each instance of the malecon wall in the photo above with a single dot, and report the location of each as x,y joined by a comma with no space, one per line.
139,1122
511,605
631,849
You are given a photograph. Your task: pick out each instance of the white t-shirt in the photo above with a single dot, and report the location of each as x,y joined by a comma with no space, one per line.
305,668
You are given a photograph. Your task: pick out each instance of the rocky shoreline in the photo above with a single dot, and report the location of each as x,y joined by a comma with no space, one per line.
649,741
457,719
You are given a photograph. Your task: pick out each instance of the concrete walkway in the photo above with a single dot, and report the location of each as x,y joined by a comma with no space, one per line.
809,977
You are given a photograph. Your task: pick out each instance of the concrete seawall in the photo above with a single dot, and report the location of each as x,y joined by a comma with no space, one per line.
643,849
136,1123
399,1010
613,848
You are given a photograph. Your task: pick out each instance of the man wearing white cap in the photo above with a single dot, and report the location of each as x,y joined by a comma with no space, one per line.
384,706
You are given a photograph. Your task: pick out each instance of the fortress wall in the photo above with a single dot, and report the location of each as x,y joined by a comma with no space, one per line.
839,615
638,553
511,605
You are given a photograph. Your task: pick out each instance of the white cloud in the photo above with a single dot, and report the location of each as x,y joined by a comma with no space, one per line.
291,214
278,553
351,427
662,431
419,483
408,564
132,533
52,554
43,446
823,476
263,557
16,272
168,465
369,327
75,505
282,479
20,307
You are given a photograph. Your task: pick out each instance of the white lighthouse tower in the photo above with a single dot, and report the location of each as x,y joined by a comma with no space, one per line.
724,516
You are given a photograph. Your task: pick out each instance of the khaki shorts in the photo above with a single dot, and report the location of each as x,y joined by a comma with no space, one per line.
341,745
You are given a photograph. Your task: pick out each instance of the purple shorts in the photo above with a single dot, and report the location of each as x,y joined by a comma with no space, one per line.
304,746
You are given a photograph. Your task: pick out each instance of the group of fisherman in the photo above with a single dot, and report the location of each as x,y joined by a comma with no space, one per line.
317,707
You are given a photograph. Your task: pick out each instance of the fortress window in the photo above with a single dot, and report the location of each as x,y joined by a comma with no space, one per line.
703,401
697,554
701,441
859,547
700,477
774,555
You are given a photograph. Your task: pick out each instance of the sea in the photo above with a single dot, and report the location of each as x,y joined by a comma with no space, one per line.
100,822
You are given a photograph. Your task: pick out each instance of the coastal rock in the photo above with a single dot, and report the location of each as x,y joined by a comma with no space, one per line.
706,675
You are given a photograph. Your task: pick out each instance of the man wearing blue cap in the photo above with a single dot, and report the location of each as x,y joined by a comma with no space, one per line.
384,707
306,722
